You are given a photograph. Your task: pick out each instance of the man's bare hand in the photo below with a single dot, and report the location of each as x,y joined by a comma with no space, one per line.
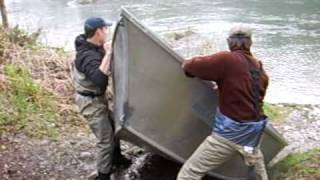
106,61
107,47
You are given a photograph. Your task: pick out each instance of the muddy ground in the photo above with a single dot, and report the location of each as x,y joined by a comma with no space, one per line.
72,156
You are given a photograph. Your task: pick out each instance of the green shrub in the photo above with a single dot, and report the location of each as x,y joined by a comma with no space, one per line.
26,106
20,37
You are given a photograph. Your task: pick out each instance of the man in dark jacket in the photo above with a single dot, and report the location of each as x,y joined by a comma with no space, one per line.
239,121
90,76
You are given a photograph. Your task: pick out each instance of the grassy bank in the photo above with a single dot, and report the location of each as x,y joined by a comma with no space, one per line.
299,166
272,111
25,106
35,86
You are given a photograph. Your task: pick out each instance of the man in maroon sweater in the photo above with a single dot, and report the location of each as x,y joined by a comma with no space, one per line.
239,121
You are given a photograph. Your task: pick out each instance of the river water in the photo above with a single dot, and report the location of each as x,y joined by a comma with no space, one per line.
286,33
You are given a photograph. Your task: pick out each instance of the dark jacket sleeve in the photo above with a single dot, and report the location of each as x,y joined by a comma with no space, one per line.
209,68
89,65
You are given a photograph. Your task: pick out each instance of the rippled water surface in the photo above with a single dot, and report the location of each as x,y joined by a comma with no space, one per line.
286,33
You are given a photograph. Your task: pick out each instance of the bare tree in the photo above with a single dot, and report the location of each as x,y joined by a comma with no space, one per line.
4,14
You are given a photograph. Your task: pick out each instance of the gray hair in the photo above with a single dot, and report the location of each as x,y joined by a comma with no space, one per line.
239,43
240,38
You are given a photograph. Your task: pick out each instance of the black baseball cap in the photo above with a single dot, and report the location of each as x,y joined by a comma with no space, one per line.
94,23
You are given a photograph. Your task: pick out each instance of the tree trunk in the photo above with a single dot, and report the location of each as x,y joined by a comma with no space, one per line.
4,14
